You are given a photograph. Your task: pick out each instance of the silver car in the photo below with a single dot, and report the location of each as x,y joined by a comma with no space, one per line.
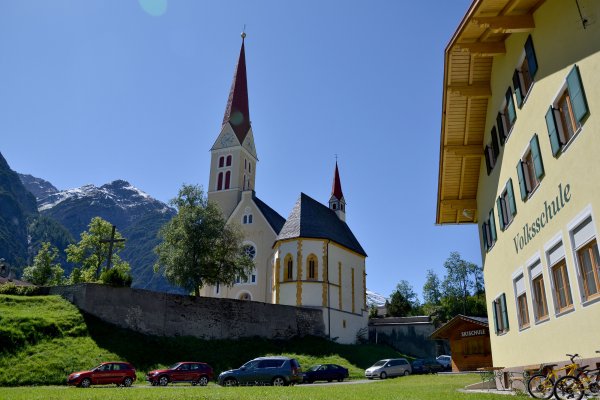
388,368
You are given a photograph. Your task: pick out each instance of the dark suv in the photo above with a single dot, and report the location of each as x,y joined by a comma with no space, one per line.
276,371
196,373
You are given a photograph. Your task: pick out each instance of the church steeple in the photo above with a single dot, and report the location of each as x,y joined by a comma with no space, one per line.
237,111
337,202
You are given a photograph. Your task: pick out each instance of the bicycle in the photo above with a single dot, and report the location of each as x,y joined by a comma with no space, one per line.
541,386
574,387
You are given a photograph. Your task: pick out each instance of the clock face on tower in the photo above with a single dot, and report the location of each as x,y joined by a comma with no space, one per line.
227,139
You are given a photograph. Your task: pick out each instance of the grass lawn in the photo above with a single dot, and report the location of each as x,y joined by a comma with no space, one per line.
421,387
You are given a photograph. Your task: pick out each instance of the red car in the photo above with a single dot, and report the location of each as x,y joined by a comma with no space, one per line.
116,372
196,373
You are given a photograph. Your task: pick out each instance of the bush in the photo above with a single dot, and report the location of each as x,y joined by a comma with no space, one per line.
116,277
11,288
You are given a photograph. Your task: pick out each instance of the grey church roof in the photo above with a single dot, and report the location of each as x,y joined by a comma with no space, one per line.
273,218
311,219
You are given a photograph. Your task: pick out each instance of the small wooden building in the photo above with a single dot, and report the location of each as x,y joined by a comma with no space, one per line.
469,339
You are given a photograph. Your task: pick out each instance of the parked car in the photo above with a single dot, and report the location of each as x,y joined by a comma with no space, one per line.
116,372
325,372
446,361
426,366
196,373
388,368
276,371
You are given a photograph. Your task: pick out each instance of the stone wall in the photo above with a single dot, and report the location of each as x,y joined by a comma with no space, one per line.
166,314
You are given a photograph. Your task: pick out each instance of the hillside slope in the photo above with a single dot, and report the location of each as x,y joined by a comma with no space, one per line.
44,338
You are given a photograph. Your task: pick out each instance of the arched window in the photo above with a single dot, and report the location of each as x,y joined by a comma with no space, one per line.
221,161
220,181
313,267
227,179
334,206
250,218
229,160
245,220
289,268
245,163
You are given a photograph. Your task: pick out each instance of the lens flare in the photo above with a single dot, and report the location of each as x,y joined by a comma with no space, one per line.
156,8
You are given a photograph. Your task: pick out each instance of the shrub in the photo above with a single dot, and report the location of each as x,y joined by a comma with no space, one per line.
116,277
11,288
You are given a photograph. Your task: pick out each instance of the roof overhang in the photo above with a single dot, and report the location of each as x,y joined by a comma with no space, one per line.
467,88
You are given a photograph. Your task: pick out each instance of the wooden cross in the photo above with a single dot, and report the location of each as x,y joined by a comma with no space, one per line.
111,241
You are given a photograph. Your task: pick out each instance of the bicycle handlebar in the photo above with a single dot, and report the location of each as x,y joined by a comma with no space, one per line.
573,356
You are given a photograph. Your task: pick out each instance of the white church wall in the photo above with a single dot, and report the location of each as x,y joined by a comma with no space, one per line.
344,326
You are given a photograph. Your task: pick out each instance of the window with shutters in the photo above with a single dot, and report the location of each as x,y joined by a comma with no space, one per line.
506,118
521,297
530,169
567,113
524,75
500,314
491,151
507,207
559,278
488,231
589,264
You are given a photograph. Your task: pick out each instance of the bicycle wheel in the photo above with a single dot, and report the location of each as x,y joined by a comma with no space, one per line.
569,387
540,386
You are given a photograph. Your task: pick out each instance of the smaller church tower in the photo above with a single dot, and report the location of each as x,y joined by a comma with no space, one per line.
337,202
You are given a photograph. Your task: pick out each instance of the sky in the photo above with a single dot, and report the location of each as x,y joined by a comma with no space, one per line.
98,90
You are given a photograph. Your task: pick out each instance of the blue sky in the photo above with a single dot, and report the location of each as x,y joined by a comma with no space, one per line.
97,90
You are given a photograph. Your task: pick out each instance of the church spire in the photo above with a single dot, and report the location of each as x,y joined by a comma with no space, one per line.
337,202
237,112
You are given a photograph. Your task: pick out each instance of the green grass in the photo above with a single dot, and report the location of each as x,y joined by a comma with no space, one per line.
423,387
48,338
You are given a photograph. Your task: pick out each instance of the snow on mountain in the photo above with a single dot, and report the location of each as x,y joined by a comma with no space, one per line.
39,187
375,298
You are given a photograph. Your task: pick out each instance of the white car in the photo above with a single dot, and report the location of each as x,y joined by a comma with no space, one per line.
389,367
446,361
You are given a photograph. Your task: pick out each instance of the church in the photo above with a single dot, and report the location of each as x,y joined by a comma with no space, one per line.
312,259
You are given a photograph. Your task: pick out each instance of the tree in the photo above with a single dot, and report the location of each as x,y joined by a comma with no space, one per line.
398,305
44,271
432,293
91,253
463,281
198,248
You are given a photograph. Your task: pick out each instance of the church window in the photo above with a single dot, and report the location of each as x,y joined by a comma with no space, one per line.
245,163
221,161
312,267
245,219
244,187
227,179
228,160
250,218
289,272
250,251
220,181
334,206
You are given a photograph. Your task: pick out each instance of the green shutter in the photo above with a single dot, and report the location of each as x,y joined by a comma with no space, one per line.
488,162
504,312
517,85
500,125
511,197
496,327
578,100
552,131
531,58
510,109
521,175
484,234
492,225
495,146
537,156
500,213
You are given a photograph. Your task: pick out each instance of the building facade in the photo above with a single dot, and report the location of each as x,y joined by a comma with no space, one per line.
312,259
519,157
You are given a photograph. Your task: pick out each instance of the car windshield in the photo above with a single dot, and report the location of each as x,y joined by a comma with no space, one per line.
316,367
379,363
174,366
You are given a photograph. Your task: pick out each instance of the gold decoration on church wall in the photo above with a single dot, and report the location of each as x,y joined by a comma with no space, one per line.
299,275
325,273
277,272
352,290
364,290
340,284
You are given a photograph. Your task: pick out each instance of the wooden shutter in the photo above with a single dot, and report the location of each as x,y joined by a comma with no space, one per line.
517,85
537,156
484,235
510,107
577,94
488,162
495,146
500,213
492,225
522,184
504,311
496,327
500,125
553,131
511,197
531,58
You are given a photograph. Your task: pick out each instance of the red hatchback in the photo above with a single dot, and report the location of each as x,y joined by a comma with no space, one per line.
118,373
196,373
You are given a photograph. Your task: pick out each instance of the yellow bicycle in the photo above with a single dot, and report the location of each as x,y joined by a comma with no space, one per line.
574,387
541,386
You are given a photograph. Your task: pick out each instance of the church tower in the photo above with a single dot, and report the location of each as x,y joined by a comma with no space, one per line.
337,202
233,155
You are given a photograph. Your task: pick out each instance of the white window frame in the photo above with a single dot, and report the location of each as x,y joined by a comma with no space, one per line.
551,244
533,261
520,274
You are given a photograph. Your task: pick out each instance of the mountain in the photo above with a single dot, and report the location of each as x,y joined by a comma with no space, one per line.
375,298
136,215
17,205
39,187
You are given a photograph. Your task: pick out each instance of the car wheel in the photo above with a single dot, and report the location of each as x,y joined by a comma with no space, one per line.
127,382
163,381
329,380
230,382
370,378
341,379
203,381
278,381
406,372
383,375
85,383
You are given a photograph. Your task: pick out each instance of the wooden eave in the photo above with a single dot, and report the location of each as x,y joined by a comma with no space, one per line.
468,62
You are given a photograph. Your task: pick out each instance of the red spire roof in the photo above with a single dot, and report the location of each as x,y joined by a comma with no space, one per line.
336,189
237,112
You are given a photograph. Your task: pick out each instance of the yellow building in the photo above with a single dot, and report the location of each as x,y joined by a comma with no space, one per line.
519,156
